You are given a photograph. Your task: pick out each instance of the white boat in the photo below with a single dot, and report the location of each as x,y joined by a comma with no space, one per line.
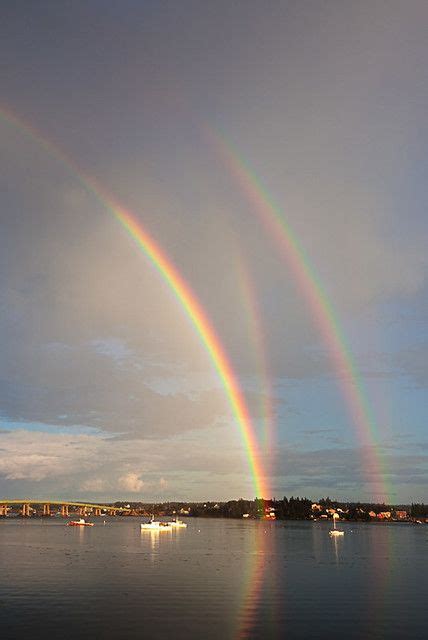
335,532
178,524
156,525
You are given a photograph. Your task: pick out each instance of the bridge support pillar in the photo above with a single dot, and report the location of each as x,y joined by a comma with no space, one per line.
97,512
46,509
25,510
64,511
3,510
82,511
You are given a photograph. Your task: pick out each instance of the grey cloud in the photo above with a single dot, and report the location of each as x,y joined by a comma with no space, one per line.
132,409
325,101
412,362
341,471
195,468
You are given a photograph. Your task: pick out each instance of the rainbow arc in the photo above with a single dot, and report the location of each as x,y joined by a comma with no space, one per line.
179,287
326,320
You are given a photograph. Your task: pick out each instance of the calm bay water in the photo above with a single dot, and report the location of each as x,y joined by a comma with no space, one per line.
215,579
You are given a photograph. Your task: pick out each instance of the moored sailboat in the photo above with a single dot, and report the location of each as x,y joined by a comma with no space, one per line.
335,532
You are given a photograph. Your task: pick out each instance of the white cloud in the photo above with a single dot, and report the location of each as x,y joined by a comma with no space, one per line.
78,465
95,485
32,466
131,482
37,456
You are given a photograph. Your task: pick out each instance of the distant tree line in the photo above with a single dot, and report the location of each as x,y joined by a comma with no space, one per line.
419,510
293,508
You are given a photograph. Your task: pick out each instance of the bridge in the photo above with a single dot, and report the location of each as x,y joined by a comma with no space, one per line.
84,508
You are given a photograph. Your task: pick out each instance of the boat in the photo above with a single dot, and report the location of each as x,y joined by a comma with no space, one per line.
156,525
79,523
334,533
178,524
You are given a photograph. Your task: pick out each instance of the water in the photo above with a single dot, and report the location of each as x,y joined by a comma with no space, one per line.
215,579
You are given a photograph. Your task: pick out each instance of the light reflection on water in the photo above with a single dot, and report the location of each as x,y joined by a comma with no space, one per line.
215,579
252,581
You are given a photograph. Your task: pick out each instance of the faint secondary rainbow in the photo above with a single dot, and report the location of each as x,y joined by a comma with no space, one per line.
309,284
181,290
257,336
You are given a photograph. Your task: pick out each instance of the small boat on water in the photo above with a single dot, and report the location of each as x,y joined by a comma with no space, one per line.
334,533
79,523
156,525
178,524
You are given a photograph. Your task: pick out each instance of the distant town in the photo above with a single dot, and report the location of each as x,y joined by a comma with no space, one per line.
293,508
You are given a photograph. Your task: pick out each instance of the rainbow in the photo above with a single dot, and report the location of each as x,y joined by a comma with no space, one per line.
253,581
179,287
272,218
253,315
257,579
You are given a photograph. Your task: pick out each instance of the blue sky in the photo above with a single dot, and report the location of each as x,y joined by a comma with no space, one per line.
105,389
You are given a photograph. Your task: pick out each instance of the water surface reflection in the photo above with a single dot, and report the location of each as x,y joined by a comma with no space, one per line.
215,579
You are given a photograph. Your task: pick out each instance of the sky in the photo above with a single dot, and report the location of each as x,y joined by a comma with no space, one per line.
106,389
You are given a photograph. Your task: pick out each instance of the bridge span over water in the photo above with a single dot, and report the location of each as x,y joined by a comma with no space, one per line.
27,506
